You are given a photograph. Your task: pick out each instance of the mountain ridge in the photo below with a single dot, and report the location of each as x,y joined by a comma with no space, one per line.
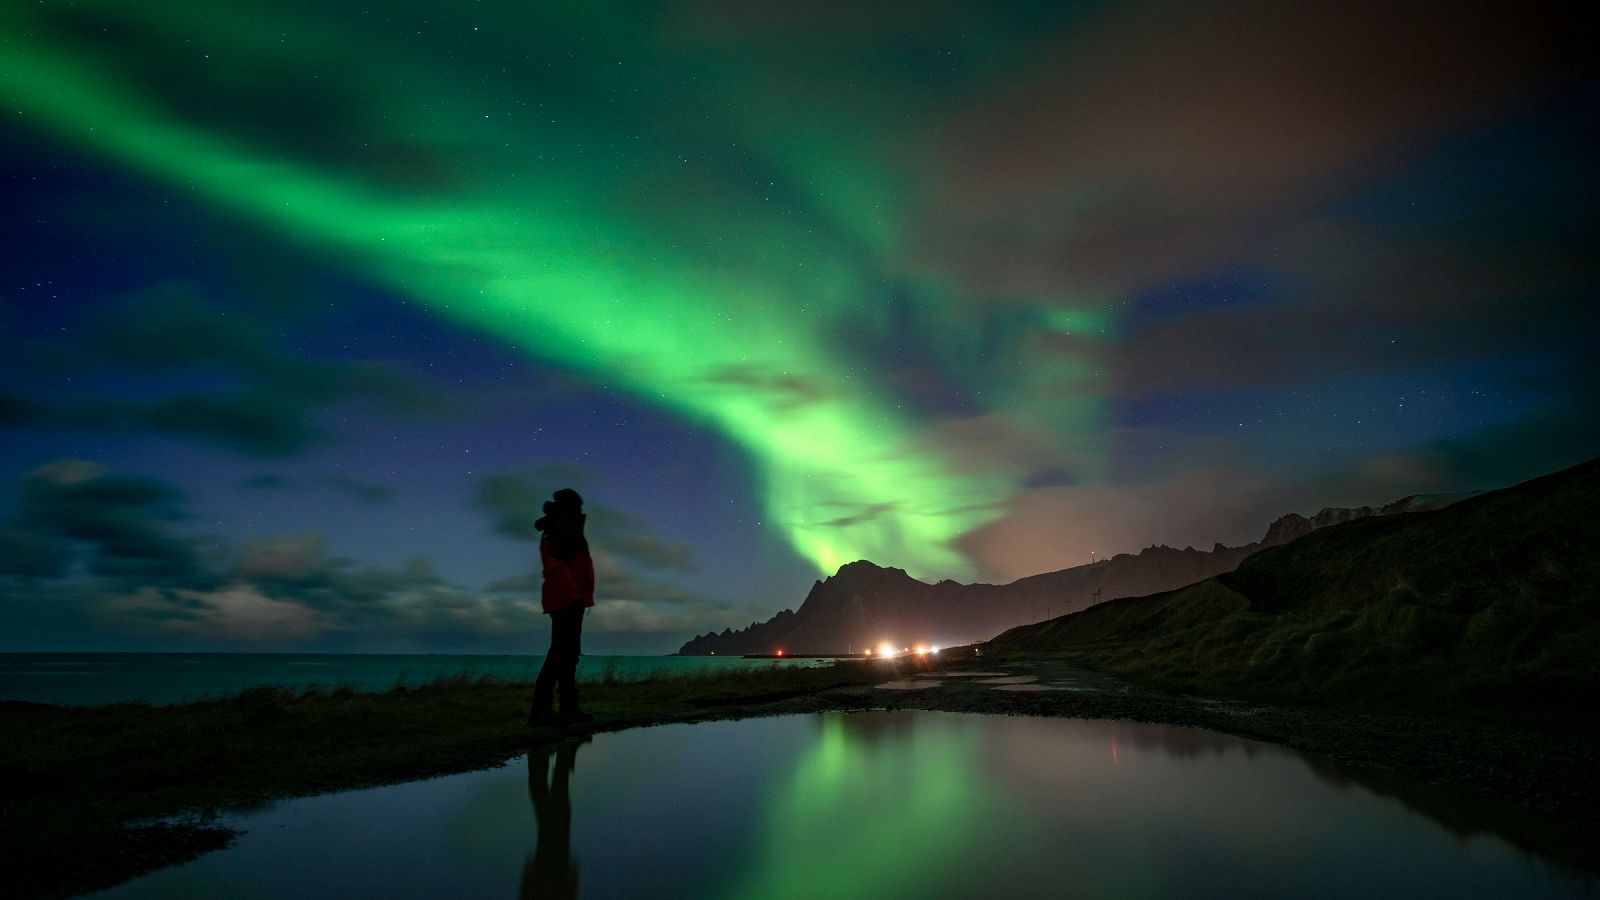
863,604
1491,601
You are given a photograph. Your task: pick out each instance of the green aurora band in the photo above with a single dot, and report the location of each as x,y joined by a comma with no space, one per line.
586,239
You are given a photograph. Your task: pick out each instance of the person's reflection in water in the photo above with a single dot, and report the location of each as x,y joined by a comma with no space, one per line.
550,871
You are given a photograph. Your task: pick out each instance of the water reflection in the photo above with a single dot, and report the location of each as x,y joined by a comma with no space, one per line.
1465,814
872,808
550,872
1468,816
892,805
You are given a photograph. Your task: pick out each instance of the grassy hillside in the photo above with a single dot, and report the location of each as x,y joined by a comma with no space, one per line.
1492,601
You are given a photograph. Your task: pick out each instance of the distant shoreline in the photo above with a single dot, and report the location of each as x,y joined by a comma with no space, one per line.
93,679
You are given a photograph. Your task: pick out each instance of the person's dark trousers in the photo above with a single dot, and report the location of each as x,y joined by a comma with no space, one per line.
560,670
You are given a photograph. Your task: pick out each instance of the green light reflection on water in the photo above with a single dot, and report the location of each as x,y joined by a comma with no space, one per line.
862,817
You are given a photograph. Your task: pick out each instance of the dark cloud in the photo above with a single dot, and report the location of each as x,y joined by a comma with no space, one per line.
1546,440
118,526
1050,528
781,390
1406,302
257,422
283,106
617,532
287,591
1053,527
623,546
297,569
865,514
515,501
360,491
514,584
266,405
32,554
613,582
172,327
106,546
1001,441
366,492
1402,182
14,410
1165,137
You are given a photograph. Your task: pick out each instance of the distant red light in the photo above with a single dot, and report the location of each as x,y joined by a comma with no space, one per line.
780,652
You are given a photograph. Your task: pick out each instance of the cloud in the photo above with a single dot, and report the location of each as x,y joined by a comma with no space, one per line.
1546,440
172,327
257,422
629,558
1056,527
356,489
624,616
118,526
782,391
515,501
630,604
513,584
267,407
104,547
614,579
31,554
866,514
14,410
287,591
619,533
1360,304
361,491
236,614
1002,442
1161,138
292,559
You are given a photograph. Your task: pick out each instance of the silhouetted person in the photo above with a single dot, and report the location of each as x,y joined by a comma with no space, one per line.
568,590
551,873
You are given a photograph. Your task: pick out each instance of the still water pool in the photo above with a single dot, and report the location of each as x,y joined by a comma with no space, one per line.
893,805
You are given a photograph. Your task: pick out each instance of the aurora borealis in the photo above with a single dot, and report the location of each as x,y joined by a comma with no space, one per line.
968,289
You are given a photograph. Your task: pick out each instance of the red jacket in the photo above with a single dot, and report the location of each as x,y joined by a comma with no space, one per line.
567,582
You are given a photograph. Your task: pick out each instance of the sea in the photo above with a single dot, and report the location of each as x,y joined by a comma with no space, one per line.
88,679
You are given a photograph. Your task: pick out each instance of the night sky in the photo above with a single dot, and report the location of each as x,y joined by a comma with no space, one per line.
305,307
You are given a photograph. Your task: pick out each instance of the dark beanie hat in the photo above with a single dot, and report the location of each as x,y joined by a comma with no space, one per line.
566,505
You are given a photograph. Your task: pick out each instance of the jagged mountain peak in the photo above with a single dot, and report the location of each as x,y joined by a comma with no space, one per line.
864,603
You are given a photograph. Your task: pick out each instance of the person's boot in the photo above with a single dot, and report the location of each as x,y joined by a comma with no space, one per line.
540,716
571,712
575,717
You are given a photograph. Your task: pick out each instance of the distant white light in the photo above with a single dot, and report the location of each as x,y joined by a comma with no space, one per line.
886,650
